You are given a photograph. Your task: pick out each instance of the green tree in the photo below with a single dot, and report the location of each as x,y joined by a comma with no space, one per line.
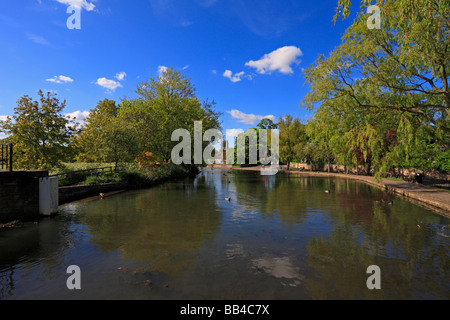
164,104
40,132
400,72
292,138
104,138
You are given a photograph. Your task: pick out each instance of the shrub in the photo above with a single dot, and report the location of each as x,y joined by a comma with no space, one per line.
104,178
135,177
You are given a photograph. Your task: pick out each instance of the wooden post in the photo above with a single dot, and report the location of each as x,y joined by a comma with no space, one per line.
11,157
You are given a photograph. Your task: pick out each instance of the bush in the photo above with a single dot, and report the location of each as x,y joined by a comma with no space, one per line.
172,171
73,178
135,177
104,178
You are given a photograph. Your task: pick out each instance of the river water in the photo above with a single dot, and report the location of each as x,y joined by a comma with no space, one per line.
280,237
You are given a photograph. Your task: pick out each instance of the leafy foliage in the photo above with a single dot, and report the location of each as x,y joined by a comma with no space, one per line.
41,134
385,92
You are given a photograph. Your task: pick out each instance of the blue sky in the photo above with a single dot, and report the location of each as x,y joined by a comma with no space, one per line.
247,55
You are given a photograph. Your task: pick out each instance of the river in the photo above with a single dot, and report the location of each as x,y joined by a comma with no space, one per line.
279,237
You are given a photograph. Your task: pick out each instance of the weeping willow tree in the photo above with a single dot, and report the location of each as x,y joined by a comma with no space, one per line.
391,84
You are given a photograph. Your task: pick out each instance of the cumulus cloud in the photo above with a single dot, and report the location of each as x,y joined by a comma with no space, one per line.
233,133
60,79
250,119
162,69
78,116
81,4
236,77
120,76
2,134
279,60
108,84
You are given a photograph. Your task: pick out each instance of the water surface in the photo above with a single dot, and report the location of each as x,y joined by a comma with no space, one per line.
279,237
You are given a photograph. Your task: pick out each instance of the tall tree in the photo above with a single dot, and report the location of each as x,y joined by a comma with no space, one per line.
104,137
400,71
39,131
292,134
164,104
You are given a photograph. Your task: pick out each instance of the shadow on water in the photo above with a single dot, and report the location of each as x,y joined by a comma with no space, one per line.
233,235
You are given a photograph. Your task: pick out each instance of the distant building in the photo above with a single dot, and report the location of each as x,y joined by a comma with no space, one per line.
225,148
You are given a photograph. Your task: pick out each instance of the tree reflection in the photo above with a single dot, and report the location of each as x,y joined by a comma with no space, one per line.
164,227
373,228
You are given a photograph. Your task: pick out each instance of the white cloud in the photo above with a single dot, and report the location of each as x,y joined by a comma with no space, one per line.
60,79
250,119
278,60
234,78
78,116
233,133
186,67
108,84
162,69
38,39
3,118
214,72
120,76
82,4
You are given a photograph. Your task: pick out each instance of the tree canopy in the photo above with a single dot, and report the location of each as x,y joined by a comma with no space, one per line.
40,132
388,87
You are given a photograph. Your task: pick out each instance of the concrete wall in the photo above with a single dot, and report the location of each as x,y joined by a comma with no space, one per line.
48,195
19,195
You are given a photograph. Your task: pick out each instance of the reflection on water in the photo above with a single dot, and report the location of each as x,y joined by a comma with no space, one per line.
280,237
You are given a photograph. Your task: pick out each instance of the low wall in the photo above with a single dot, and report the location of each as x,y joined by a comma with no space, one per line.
19,195
220,166
75,193
407,174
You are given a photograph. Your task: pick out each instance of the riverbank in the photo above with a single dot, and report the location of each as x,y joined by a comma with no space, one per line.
431,198
91,187
129,180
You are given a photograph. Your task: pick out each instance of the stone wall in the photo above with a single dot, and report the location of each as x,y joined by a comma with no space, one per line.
19,195
75,193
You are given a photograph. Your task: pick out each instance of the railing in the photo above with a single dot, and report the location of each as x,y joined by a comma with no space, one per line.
71,178
111,169
6,156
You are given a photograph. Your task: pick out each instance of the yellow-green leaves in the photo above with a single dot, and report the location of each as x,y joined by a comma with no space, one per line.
40,132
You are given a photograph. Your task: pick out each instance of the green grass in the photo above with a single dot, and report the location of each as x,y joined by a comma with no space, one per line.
394,179
68,167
